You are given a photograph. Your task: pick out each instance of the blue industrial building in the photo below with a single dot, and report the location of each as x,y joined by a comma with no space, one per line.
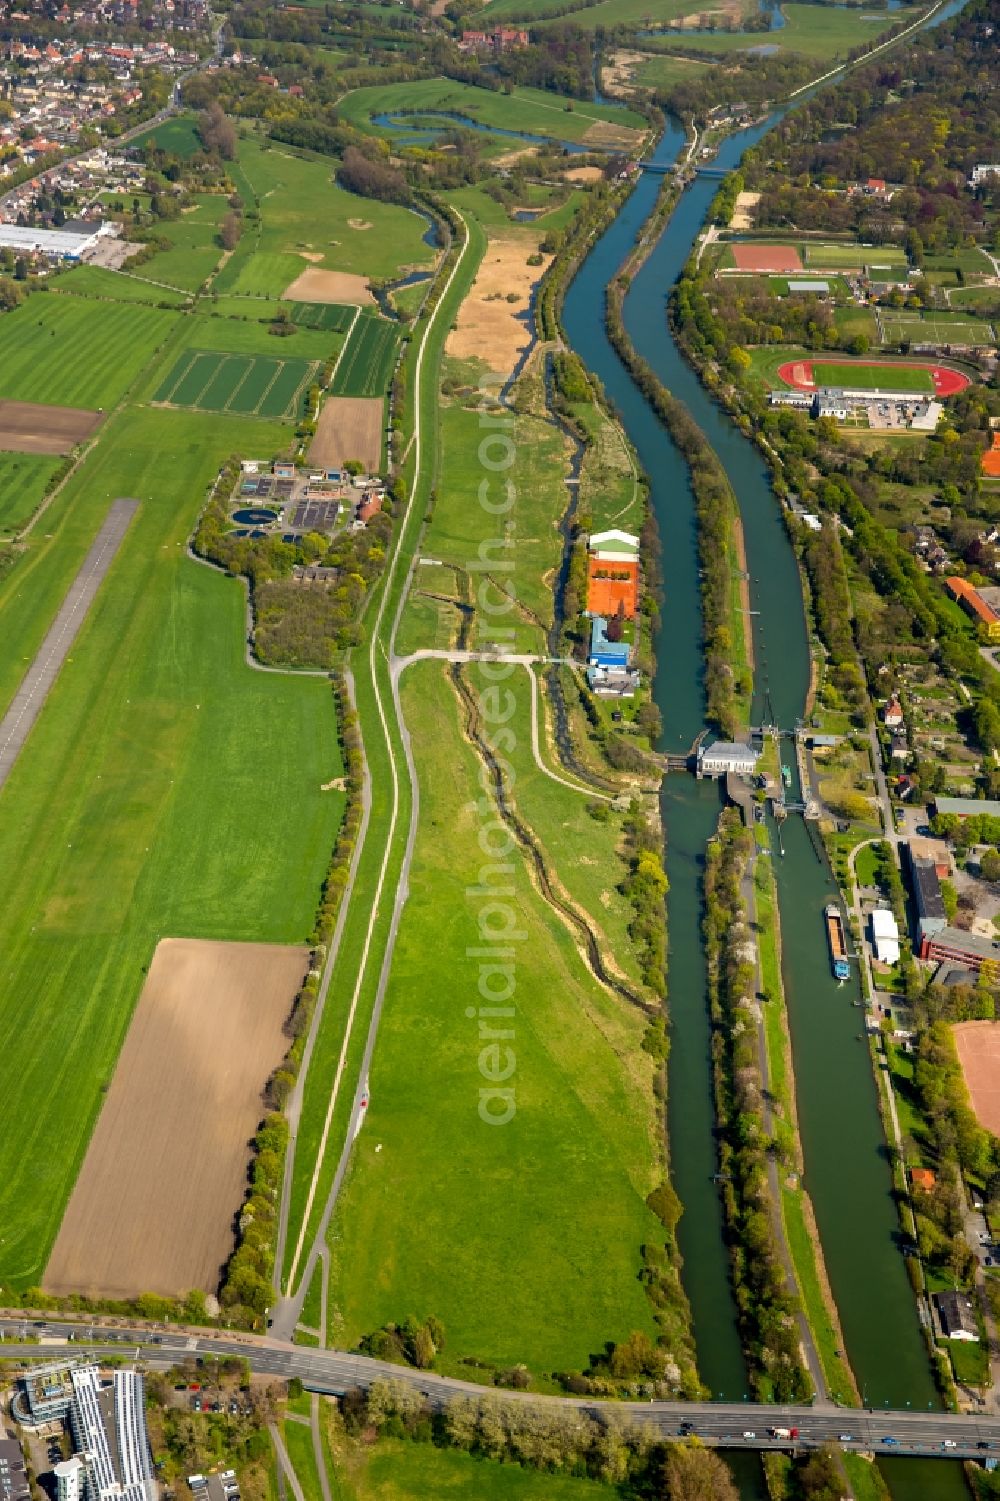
605,653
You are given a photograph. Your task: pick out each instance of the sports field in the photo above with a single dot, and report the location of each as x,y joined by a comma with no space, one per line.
873,377
336,317
166,789
75,351
247,385
366,364
935,328
978,1047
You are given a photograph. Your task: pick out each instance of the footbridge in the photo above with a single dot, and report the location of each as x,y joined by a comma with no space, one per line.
725,1425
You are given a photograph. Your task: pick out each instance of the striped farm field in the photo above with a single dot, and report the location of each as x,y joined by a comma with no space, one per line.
332,317
245,384
366,363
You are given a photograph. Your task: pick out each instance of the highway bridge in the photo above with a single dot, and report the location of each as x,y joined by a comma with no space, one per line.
733,1425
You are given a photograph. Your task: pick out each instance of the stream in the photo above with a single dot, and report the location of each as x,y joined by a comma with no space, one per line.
846,1167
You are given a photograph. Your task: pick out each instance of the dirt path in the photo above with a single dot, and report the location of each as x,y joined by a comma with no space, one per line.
741,555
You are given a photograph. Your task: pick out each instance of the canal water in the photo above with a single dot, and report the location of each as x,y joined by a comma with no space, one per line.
847,1171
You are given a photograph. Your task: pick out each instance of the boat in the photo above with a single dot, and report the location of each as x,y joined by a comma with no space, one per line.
786,775
837,941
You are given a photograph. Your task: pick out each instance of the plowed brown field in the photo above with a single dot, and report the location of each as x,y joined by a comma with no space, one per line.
165,1172
27,427
349,427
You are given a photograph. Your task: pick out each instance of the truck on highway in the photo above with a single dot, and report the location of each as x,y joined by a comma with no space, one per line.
783,1432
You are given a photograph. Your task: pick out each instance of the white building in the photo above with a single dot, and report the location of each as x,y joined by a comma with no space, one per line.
926,419
724,756
985,169
58,244
885,936
71,1479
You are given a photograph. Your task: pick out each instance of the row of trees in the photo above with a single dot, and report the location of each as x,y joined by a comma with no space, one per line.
767,1311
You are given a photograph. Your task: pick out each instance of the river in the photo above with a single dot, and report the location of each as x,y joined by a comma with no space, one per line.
846,1168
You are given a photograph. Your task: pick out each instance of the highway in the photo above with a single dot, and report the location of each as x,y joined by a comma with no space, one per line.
734,1425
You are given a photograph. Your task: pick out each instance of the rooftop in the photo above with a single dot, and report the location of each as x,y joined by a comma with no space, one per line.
967,807
926,888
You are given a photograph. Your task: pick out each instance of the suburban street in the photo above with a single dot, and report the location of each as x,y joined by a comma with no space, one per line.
719,1424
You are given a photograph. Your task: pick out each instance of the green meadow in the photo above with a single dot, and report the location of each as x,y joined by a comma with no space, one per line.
525,109
304,213
75,351
195,248
398,1470
821,32
167,789
529,1248
115,286
177,135
23,478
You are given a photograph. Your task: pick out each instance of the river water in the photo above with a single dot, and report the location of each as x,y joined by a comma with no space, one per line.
846,1166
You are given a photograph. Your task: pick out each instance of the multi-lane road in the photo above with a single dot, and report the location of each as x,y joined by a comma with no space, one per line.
743,1425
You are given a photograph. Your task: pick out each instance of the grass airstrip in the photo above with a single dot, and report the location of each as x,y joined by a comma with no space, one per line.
167,789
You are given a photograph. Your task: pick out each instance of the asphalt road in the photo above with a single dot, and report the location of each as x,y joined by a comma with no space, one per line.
28,702
737,1425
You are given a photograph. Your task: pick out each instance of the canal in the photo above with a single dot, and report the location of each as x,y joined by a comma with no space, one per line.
846,1166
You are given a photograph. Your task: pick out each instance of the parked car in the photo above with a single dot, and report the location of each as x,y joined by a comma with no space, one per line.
845,1438
949,1443
748,1434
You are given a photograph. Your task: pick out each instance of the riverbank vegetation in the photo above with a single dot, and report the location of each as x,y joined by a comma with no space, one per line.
767,1311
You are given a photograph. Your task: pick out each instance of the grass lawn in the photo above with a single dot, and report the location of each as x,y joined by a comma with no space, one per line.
865,377
665,72
766,359
167,789
976,297
177,135
865,1478
299,1443
302,209
398,1470
115,286
970,1361
854,320
232,336
460,522
815,31
606,13
194,251
540,1221
74,351
23,478
609,491
534,111
867,866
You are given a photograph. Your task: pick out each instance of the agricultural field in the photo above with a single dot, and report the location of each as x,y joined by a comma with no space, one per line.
75,351
248,385
209,331
306,219
114,286
23,480
349,427
934,328
822,32
529,111
366,364
606,13
167,1162
549,1207
30,427
155,718
331,317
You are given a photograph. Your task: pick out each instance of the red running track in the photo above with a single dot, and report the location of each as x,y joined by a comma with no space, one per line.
799,374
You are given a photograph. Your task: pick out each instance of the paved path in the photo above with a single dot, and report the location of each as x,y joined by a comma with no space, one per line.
284,1463
38,680
324,1479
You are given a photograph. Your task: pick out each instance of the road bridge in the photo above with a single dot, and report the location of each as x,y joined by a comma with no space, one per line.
721,1424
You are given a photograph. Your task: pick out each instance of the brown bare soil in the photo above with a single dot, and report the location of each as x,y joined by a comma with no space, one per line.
314,285
489,327
607,133
26,427
978,1047
165,1172
349,427
359,223
583,174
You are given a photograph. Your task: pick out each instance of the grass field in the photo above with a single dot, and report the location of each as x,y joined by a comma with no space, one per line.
74,351
115,286
865,1477
851,256
194,251
531,110
545,1214
177,135
935,328
397,1470
606,13
23,478
334,317
303,210
366,364
155,719
205,330
861,377
249,385
664,72
821,32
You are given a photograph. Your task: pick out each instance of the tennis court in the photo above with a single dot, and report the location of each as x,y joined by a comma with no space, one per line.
775,258
247,385
935,328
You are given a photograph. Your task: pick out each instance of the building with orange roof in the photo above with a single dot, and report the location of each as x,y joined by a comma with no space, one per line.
922,1177
991,459
613,574
973,604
